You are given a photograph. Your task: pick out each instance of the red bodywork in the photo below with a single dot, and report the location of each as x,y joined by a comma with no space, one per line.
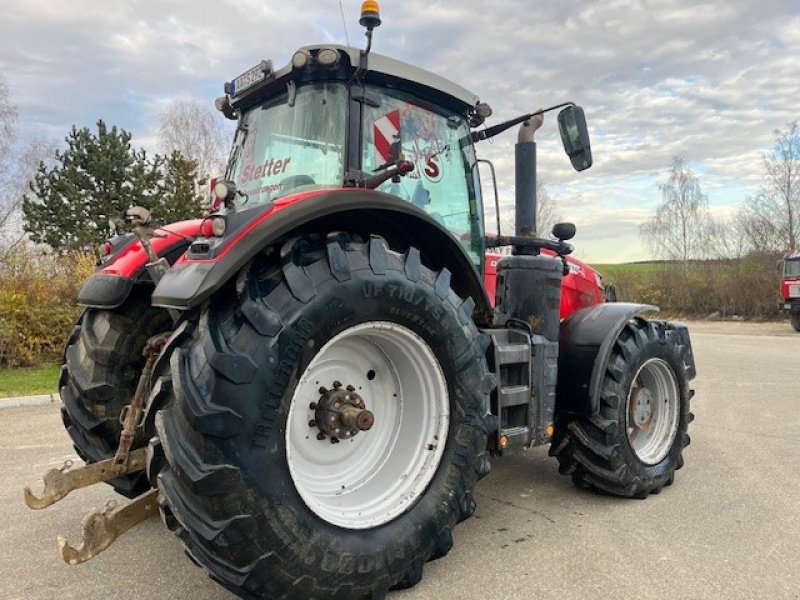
277,206
786,291
580,288
132,258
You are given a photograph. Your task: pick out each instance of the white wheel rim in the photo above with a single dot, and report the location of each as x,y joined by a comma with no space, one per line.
376,475
653,411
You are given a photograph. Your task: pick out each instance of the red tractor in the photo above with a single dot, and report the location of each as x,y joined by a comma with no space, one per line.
308,383
790,287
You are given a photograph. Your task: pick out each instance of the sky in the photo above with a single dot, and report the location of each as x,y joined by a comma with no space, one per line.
707,81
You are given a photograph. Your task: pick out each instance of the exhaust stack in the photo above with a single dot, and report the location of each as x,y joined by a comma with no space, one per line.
525,182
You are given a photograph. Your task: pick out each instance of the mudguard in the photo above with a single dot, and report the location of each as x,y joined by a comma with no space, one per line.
112,283
209,264
586,340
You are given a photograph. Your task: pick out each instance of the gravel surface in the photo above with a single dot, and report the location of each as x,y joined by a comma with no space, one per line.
780,328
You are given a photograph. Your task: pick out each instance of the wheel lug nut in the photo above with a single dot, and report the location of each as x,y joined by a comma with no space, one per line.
320,436
313,406
322,390
337,384
334,440
312,423
350,388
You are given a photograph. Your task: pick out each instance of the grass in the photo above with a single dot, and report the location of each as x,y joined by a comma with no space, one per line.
634,268
29,381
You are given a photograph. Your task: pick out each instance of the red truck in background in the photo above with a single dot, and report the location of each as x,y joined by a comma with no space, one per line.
790,287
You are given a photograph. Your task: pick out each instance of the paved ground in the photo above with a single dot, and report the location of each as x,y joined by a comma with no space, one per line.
729,527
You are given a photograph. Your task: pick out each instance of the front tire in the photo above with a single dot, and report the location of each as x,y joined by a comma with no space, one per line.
634,445
256,488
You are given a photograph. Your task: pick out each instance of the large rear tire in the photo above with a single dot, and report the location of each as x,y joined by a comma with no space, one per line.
256,488
102,363
795,320
634,445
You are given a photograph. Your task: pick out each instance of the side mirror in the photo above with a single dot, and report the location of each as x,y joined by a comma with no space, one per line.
575,137
564,231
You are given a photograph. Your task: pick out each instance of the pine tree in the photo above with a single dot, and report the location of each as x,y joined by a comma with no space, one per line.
180,197
95,179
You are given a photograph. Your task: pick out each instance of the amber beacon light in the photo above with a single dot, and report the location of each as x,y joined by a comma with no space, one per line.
370,14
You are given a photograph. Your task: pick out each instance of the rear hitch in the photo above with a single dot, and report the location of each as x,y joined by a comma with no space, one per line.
60,482
100,529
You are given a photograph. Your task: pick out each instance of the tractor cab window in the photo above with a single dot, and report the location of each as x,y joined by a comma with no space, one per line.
444,179
280,149
791,268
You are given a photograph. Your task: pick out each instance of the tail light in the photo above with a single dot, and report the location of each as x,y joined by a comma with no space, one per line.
213,226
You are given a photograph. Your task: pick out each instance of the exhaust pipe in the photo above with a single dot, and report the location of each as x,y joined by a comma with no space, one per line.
525,182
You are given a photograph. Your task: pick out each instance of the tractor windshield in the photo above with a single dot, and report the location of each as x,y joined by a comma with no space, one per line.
444,180
282,145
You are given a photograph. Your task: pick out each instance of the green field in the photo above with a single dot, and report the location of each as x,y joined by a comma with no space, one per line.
29,381
634,268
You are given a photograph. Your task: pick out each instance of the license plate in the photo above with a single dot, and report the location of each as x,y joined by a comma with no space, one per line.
252,76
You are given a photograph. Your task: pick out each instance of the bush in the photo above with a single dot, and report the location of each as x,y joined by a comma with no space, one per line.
37,304
747,287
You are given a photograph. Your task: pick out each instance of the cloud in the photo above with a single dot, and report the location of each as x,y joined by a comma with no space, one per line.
710,82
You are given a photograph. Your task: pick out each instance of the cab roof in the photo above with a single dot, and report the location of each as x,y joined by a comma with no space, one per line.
387,66
380,70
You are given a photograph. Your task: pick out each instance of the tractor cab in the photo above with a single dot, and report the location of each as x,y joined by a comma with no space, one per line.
340,117
334,118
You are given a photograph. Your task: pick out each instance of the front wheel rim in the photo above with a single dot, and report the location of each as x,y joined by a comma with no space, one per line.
372,476
652,413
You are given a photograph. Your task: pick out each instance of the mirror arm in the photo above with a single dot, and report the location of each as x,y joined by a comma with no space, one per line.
557,246
490,132
402,168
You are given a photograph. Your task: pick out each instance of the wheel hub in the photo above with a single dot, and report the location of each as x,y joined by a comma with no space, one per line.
340,413
653,411
641,408
391,381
